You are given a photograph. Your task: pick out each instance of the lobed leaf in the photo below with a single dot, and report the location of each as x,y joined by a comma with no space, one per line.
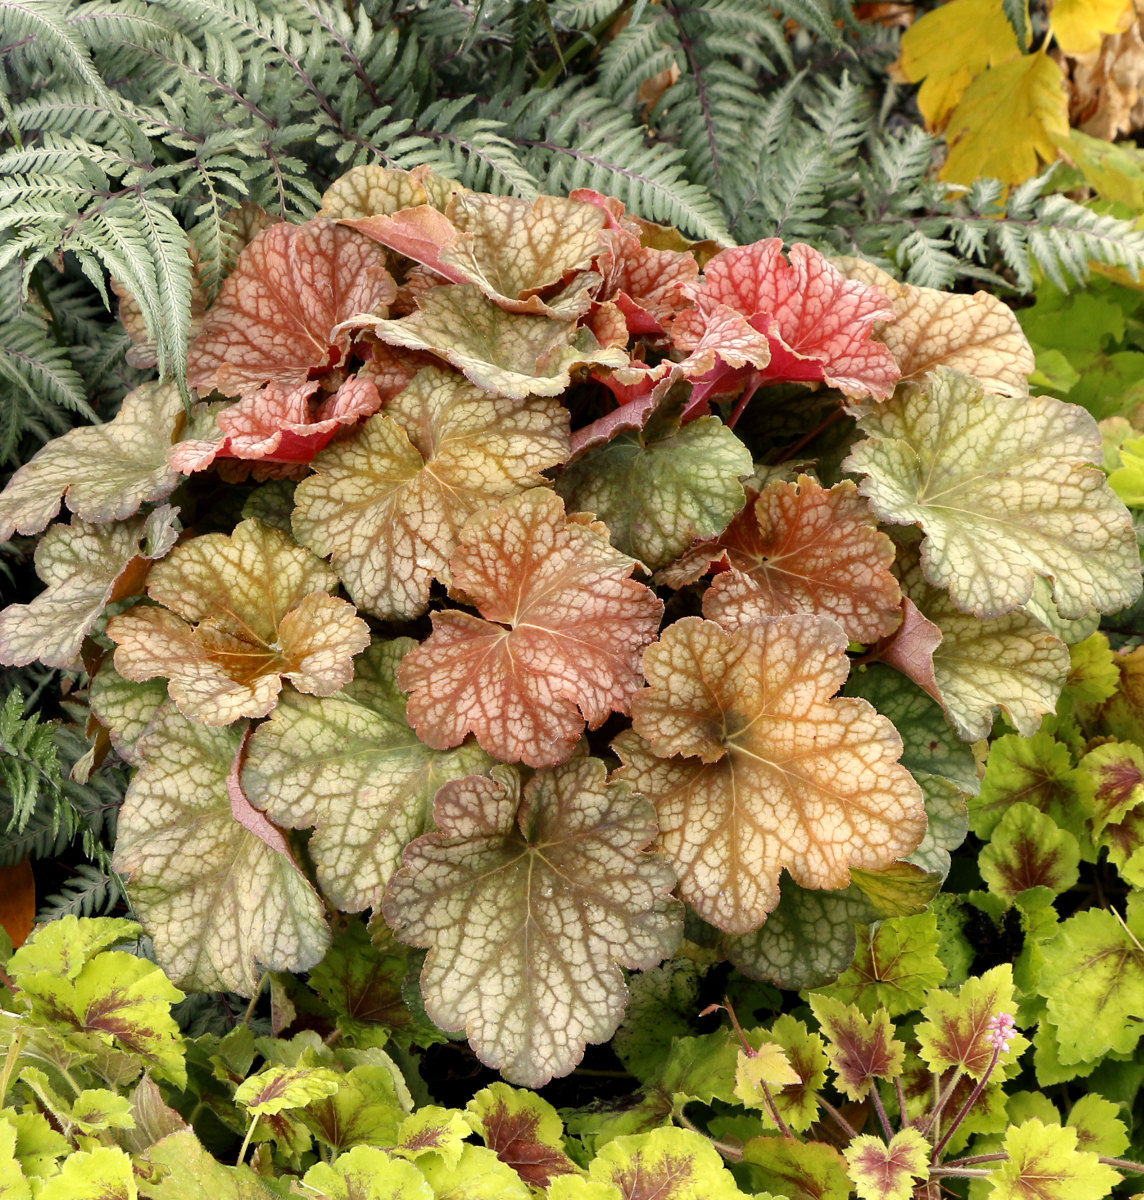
799,547
557,643
665,1164
887,1170
1029,849
366,1173
957,1030
389,505
218,901
371,189
523,1130
1045,1164
776,774
85,567
860,1049
241,614
528,914
1005,491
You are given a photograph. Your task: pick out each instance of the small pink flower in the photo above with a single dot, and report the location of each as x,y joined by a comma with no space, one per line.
1002,1030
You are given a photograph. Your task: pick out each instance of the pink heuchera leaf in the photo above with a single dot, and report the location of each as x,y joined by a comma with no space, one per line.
558,641
817,322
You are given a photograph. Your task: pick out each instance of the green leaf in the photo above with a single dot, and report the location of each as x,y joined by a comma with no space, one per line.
365,1109
477,1175
566,873
350,765
662,488
797,1098
956,1031
661,1004
1093,980
1029,849
506,353
895,965
36,1146
1098,1126
1116,773
277,1089
189,1172
101,1174
1037,771
96,1109
1092,674
366,1173
860,1049
65,946
1045,1164
666,1164
220,903
882,1171
947,813
84,566
523,1130
799,1170
433,1130
700,1068
1004,491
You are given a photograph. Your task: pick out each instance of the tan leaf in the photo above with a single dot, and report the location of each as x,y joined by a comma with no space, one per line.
240,614
558,641
777,774
799,547
85,567
371,190
388,505
977,334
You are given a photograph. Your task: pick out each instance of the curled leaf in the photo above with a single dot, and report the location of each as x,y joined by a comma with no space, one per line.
776,774
241,614
529,914
557,643
371,189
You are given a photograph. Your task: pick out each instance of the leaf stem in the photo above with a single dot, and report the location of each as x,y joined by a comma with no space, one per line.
10,1062
246,1140
880,1109
963,1112
735,1153
1123,1164
246,1016
838,1118
942,1101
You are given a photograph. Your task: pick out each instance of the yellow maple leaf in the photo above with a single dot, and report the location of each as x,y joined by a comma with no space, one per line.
1080,25
1006,121
949,47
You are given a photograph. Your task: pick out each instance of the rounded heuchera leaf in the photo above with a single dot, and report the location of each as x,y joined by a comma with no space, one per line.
1005,490
389,504
372,189
558,641
799,547
818,323
350,766
776,773
221,904
665,1164
529,914
241,613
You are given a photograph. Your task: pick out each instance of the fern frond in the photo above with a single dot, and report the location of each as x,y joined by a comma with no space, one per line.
91,892
29,761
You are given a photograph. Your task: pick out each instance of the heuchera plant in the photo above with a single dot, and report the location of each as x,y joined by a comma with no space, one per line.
614,516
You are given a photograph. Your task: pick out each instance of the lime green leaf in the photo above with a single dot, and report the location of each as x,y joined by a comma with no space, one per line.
1093,979
528,914
1127,481
124,1000
433,1130
661,1006
807,941
477,1175
189,1172
1092,675
1033,770
1029,849
882,1171
30,1139
1044,1164
277,1089
523,1130
768,1065
662,488
103,472
125,708
957,1030
860,1049
1116,772
96,1109
666,1164
240,614
14,1183
558,641
218,900
799,547
365,1109
799,1170
1004,490
350,766
506,353
899,890
895,965
766,747
101,1174
63,947
796,1098
1098,1126
366,1173
388,504
576,1187
84,566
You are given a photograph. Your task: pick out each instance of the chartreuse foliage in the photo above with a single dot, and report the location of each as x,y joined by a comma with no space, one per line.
507,414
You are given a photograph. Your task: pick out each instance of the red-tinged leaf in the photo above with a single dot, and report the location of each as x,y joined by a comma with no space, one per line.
777,773
17,901
250,818
799,547
523,1130
646,284
512,249
799,1170
1117,773
911,648
280,424
724,350
957,1031
529,908
277,316
861,1049
558,641
817,322
884,1171
662,1164
639,391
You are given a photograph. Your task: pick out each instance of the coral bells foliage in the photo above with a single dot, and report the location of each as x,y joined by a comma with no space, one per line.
416,579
